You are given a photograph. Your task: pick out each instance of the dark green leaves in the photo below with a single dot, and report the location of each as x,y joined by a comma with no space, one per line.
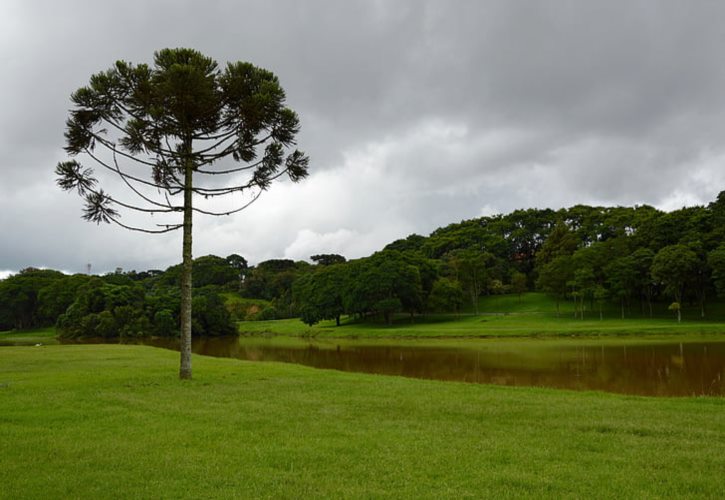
183,87
297,164
71,175
99,208
180,112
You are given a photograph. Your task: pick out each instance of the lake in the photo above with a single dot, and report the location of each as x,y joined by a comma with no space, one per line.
653,367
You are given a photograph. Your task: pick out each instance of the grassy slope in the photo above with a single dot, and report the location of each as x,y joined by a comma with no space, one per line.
37,336
113,421
501,316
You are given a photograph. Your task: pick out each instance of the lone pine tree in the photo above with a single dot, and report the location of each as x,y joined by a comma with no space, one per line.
175,132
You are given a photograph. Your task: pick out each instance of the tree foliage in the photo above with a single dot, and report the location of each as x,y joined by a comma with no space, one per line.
673,267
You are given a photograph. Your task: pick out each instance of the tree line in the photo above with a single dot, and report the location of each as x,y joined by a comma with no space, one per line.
594,256
636,259
119,304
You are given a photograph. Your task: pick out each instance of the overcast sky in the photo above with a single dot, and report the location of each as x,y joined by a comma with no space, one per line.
415,114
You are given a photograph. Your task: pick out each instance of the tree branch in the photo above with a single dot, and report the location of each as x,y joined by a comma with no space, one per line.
124,176
168,204
230,212
232,171
168,229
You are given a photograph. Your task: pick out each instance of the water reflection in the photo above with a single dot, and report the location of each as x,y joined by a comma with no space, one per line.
663,368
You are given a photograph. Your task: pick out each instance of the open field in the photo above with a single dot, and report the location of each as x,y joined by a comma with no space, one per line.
37,336
114,421
537,302
501,316
484,326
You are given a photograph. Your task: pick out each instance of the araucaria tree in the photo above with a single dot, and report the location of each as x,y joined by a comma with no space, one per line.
176,132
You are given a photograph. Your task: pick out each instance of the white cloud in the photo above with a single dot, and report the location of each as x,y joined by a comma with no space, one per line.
308,243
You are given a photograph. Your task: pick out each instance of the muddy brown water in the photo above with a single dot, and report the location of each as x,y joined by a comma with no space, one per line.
662,367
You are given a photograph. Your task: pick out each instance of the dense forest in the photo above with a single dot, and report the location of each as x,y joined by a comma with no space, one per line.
635,257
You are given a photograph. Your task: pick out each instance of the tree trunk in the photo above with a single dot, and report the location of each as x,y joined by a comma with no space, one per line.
621,303
337,320
581,305
185,368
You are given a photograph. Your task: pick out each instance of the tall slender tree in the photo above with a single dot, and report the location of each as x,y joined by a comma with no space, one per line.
171,132
673,267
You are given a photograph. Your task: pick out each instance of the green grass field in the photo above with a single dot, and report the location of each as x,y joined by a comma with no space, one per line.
37,336
500,316
115,422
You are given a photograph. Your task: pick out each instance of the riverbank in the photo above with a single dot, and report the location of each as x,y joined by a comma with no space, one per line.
110,421
483,325
531,315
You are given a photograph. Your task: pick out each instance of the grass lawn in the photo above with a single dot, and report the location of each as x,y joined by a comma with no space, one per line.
483,326
502,316
114,421
38,336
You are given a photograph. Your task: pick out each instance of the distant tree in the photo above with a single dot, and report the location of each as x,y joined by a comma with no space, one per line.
471,271
210,317
179,119
328,259
643,258
600,297
272,280
622,279
107,310
23,301
319,295
584,284
428,270
700,279
54,298
411,243
383,284
446,296
518,283
496,287
240,265
584,222
104,310
206,270
526,231
554,277
237,262
717,209
716,260
164,324
673,266
561,242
